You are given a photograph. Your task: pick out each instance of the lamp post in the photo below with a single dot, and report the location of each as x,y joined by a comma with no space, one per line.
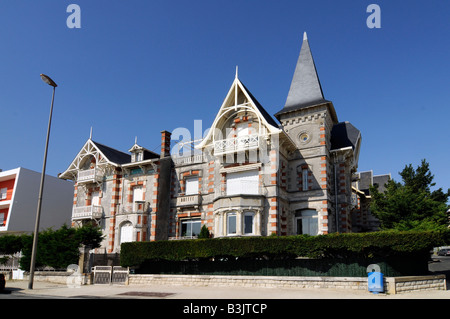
50,82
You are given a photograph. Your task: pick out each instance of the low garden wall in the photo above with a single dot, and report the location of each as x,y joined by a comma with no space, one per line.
392,285
60,277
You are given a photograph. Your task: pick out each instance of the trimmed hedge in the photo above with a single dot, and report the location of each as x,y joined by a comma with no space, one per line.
376,245
335,267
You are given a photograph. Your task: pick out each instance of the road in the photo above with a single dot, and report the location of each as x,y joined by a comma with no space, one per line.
440,265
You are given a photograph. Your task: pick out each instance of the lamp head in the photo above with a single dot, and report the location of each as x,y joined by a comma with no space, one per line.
48,80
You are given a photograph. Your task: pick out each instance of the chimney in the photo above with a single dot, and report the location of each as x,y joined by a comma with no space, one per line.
165,143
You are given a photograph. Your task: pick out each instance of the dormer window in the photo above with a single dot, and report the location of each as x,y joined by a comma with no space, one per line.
137,156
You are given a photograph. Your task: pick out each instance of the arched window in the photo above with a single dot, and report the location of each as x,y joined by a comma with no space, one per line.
126,233
306,222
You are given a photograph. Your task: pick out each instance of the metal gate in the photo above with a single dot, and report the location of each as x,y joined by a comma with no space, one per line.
102,274
119,275
110,275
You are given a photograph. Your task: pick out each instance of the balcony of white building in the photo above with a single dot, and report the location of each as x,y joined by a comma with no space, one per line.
89,176
236,144
87,212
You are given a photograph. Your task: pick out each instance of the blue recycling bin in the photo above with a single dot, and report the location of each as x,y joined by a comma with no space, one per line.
375,282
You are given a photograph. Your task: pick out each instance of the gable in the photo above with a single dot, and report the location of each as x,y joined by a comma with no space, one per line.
94,151
238,105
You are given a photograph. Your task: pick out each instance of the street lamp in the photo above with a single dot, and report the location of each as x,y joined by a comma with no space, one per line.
50,82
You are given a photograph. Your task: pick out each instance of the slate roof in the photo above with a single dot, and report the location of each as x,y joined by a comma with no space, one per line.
261,109
113,155
305,89
344,134
150,155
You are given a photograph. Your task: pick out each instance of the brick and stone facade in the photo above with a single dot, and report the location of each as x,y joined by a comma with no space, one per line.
251,175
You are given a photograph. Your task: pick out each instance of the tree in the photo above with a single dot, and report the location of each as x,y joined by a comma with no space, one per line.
10,244
60,248
204,232
411,204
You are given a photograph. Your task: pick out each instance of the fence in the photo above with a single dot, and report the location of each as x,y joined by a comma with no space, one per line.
106,275
338,267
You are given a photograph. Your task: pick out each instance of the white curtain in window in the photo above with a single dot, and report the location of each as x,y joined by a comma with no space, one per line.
307,222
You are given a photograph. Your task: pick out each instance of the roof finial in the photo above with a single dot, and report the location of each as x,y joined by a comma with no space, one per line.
90,134
135,140
237,68
305,37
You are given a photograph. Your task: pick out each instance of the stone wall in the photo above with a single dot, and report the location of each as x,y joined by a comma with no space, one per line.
252,281
415,283
60,277
393,285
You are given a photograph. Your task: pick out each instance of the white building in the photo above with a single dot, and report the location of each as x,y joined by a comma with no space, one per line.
19,191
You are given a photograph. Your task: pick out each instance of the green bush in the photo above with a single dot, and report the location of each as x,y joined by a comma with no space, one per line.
56,248
388,244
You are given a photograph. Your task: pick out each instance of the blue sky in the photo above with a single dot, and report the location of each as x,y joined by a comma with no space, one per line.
138,67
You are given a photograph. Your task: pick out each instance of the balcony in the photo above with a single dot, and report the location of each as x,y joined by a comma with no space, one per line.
138,207
189,159
189,200
241,200
236,144
89,176
87,212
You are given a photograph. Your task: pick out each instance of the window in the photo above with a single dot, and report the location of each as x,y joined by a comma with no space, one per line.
231,223
3,192
138,198
2,218
306,222
95,199
305,179
190,227
246,182
191,186
248,222
126,233
137,156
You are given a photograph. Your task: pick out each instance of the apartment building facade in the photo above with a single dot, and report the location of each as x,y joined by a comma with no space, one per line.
251,175
19,190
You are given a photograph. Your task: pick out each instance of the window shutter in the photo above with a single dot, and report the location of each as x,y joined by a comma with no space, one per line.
95,199
246,182
126,233
137,194
191,186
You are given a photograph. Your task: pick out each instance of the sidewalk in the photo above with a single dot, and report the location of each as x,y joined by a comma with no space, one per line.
19,289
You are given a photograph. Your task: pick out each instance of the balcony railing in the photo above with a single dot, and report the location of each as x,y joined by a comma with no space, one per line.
87,212
89,175
189,200
234,144
189,159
